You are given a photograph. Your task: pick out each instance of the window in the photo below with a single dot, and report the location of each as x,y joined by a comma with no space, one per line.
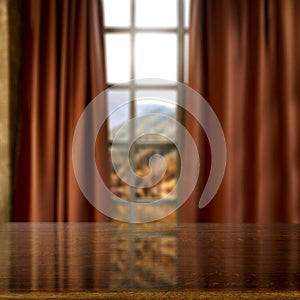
144,39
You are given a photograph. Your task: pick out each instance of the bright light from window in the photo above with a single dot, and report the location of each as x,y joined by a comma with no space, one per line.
156,56
156,13
118,57
117,13
186,13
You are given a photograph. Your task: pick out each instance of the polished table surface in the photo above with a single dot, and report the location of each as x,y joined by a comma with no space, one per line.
147,261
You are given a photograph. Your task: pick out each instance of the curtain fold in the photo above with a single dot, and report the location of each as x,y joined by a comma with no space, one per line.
63,69
244,58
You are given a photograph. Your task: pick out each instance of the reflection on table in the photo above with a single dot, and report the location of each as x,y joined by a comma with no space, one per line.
155,256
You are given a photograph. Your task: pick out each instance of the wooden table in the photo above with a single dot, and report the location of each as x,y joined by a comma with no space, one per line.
149,261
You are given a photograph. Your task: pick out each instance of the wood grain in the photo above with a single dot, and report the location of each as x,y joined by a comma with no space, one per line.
139,295
120,261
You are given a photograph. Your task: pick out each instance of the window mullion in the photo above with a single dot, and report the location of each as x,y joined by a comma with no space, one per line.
132,108
180,36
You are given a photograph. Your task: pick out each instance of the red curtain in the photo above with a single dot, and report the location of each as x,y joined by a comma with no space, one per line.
244,58
62,70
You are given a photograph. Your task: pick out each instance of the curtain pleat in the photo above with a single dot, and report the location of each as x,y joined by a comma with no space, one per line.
62,70
244,59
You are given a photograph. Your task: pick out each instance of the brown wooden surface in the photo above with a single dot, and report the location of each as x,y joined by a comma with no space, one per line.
102,260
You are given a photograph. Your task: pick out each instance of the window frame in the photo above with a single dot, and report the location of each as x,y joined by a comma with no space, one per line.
181,32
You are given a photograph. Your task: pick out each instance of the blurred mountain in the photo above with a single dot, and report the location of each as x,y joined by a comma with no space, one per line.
152,116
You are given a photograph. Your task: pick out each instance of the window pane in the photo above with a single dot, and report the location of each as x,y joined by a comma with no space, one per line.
117,57
147,185
120,211
164,125
166,186
155,105
117,13
157,212
156,13
156,56
120,163
119,114
187,13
